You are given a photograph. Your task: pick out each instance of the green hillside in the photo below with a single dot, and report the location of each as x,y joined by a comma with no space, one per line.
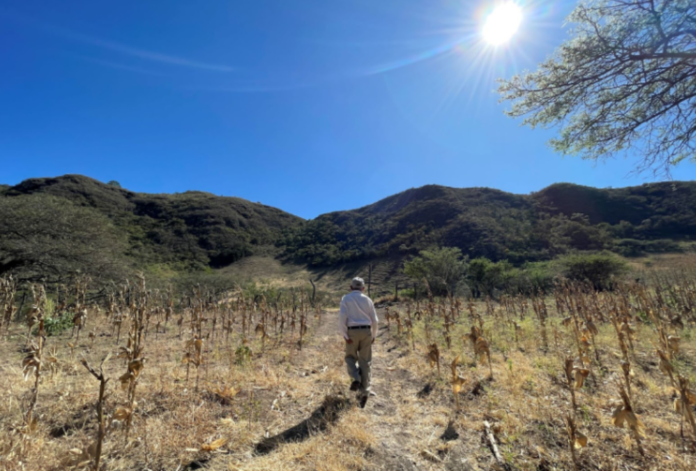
52,225
498,225
188,231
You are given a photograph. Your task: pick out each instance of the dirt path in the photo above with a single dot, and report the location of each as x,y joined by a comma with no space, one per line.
406,429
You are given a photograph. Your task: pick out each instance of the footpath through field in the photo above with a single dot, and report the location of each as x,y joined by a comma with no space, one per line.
406,426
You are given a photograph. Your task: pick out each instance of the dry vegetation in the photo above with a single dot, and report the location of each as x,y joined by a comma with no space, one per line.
270,272
150,380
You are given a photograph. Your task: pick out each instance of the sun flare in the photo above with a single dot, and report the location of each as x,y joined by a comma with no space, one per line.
502,24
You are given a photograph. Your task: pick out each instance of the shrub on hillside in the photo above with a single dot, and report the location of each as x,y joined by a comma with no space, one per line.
58,323
48,239
534,278
442,267
486,277
598,269
635,248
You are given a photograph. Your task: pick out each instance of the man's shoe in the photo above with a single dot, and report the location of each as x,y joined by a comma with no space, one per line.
355,385
373,394
363,401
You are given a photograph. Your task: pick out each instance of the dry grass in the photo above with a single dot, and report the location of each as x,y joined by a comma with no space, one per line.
666,262
270,272
290,409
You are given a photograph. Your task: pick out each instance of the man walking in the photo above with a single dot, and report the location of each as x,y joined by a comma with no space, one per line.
358,325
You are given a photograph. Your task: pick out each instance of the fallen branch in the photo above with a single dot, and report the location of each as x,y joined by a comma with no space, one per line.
490,438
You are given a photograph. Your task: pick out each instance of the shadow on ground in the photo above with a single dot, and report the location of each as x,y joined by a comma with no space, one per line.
326,414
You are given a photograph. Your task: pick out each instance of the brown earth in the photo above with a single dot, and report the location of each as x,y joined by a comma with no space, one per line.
290,409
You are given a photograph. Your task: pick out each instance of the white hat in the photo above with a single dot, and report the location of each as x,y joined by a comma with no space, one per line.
357,283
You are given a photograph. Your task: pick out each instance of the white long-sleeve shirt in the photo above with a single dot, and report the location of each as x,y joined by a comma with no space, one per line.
357,309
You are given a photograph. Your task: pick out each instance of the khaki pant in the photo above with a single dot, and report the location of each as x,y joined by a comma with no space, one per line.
359,354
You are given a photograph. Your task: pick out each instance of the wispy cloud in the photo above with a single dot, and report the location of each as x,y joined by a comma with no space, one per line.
262,87
145,54
118,66
428,54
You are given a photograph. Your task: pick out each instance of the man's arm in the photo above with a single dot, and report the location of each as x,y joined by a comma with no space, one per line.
373,316
343,321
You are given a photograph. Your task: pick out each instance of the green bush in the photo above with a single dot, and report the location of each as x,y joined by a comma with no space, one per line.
407,293
485,277
442,267
535,277
634,247
54,322
599,269
58,324
242,355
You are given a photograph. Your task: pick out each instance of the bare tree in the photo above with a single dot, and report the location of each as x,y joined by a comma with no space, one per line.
625,80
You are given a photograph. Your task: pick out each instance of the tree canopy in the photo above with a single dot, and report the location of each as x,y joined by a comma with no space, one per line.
442,267
625,80
651,218
43,238
599,269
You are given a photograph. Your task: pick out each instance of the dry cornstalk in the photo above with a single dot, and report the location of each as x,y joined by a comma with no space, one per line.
576,440
33,362
682,405
100,406
434,357
624,415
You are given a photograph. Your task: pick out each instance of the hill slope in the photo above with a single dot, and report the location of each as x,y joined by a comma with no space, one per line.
196,230
499,225
191,229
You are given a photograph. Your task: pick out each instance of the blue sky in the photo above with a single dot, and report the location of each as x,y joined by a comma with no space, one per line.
307,105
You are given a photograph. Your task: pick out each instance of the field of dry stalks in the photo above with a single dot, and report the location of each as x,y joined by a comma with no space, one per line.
148,380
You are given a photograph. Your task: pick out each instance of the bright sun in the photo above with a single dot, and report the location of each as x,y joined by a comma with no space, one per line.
502,24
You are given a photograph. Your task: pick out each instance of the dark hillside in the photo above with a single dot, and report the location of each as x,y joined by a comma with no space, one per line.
190,230
196,230
477,219
82,191
499,225
666,209
610,206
